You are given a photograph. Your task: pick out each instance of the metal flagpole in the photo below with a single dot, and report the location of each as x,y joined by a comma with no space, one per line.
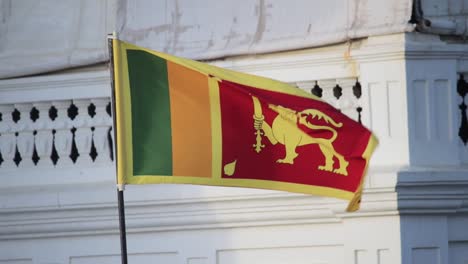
123,234
120,188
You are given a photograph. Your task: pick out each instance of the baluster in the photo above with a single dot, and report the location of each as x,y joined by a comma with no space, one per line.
25,139
63,136
317,90
102,123
44,137
337,94
112,144
111,132
7,137
357,92
304,85
83,133
347,102
462,89
327,91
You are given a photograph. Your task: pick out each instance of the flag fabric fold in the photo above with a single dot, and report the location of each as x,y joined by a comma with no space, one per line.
180,121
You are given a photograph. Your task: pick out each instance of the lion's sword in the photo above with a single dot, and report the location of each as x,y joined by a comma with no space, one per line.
258,119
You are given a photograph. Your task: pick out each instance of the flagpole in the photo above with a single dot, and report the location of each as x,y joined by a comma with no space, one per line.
123,234
120,188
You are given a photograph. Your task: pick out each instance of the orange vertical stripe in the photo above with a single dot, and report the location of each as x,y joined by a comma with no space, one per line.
190,121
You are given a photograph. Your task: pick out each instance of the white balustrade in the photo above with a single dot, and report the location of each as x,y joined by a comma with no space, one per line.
346,100
60,141
49,134
52,136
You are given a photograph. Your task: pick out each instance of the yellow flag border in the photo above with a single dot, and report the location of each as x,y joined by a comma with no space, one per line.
124,133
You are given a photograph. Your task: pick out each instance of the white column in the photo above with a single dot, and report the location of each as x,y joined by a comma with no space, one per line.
432,112
384,112
433,188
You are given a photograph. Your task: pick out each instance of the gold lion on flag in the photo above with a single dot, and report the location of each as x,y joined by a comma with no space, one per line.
284,129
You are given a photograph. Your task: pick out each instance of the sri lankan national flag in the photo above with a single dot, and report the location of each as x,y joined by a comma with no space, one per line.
182,121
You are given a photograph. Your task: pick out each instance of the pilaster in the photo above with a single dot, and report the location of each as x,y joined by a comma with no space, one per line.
432,190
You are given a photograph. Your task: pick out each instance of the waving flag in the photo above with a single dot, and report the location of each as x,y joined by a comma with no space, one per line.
182,121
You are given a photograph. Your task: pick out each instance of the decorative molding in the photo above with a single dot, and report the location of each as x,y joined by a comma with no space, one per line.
433,191
16,261
418,192
411,46
56,87
134,257
267,209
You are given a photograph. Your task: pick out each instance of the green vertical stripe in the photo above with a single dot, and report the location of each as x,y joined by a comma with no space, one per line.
151,116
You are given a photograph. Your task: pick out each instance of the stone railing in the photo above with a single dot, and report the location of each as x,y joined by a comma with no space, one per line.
344,94
61,122
64,122
55,133
77,132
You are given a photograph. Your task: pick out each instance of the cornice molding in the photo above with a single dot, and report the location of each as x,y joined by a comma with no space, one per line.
188,214
436,191
405,46
426,191
79,85
338,59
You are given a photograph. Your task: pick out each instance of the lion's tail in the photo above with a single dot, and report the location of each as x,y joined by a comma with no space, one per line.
315,113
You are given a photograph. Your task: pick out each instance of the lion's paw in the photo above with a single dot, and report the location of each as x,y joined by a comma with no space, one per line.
285,161
341,171
325,168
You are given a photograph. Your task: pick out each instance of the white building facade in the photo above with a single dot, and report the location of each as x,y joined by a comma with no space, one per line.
398,67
